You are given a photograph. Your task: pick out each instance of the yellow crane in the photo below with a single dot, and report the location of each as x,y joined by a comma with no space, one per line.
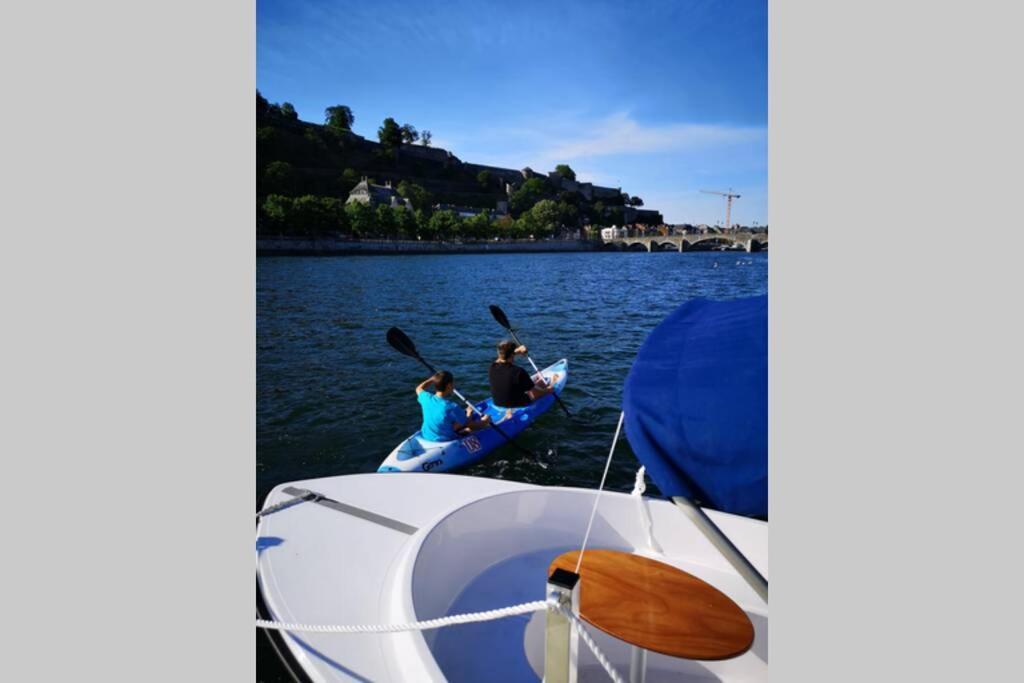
729,196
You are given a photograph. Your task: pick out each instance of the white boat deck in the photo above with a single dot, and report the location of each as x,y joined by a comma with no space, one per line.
479,544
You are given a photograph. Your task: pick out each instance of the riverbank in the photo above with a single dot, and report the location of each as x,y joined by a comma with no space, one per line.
288,246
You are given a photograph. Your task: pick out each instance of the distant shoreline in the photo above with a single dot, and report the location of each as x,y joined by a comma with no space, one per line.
294,246
289,246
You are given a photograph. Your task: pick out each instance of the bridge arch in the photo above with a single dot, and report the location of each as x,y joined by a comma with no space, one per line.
710,242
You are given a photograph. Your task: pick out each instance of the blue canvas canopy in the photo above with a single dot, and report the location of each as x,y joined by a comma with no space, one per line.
696,404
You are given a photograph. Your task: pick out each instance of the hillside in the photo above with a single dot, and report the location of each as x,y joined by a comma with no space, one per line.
305,172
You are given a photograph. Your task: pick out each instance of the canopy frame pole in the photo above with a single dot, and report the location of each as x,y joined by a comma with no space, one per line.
722,543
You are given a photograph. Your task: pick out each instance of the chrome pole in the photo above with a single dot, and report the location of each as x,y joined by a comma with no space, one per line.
724,546
561,642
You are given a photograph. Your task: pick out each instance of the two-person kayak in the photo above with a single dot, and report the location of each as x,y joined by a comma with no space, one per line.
417,454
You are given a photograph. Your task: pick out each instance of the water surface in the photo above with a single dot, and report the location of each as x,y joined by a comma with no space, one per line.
333,398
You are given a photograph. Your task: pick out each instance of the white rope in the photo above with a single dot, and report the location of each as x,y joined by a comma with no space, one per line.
472,617
639,485
597,495
588,639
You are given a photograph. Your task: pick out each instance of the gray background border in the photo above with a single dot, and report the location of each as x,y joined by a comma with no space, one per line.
129,352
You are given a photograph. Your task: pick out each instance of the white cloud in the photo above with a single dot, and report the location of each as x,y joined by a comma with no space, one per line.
621,134
586,175
569,138
666,164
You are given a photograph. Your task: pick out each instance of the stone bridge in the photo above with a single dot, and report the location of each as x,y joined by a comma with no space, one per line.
747,240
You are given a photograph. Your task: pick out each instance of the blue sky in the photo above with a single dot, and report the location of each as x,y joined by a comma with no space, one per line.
661,98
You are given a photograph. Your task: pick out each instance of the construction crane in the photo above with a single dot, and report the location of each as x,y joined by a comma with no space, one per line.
729,196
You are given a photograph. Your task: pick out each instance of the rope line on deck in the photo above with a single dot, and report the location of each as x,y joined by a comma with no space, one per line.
468,618
589,640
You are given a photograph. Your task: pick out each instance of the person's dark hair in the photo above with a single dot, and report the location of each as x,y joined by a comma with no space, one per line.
442,380
506,349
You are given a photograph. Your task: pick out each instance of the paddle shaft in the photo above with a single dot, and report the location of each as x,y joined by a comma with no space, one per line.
454,390
519,343
557,399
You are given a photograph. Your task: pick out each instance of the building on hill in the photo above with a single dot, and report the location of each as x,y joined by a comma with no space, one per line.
503,175
645,216
435,154
589,191
377,195
614,233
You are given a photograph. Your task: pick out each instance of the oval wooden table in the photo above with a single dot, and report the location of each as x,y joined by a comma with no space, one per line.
657,607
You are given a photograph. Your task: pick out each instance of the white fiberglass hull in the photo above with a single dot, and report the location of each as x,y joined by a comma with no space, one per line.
400,549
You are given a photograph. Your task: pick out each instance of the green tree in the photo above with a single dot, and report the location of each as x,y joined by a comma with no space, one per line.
288,112
568,197
546,218
566,172
445,224
478,226
423,225
262,106
339,117
409,134
405,221
390,135
636,201
279,178
425,138
503,228
278,209
387,226
309,215
362,220
315,145
484,178
417,195
348,180
268,145
568,215
531,192
318,216
525,226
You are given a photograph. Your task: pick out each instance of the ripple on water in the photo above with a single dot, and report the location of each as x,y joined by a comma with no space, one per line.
334,398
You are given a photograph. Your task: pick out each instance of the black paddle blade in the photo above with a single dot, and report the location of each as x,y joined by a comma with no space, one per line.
400,342
500,316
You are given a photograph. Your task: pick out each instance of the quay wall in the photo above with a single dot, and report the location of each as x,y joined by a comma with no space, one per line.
328,247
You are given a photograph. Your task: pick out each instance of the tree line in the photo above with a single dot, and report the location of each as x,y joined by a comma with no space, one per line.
317,217
306,199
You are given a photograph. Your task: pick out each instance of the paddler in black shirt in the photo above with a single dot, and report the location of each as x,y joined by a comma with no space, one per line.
511,386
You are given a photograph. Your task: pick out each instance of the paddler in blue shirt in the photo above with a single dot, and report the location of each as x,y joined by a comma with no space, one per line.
443,420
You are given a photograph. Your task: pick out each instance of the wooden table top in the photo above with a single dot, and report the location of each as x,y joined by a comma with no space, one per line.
657,607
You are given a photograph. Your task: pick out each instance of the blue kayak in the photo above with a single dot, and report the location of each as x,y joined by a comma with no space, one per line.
417,454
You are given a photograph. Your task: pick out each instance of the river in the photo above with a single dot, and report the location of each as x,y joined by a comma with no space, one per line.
333,398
